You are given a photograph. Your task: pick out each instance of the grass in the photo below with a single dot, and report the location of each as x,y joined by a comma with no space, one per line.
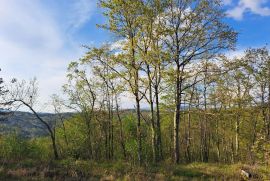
87,170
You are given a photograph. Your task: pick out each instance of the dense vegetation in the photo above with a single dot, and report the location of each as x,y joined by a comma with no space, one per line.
191,102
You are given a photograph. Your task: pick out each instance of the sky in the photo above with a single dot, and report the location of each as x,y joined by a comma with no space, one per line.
38,38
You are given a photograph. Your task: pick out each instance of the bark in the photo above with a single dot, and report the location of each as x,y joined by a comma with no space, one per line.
137,97
178,97
159,138
177,118
139,138
50,130
90,151
153,125
122,139
237,124
204,123
267,106
188,152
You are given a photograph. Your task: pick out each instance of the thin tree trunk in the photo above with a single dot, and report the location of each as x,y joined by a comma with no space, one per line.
90,151
135,73
267,112
189,123
159,138
52,133
204,124
122,139
177,121
153,128
237,124
56,155
139,138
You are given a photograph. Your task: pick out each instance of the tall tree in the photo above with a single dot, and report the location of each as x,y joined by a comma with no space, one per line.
124,19
82,94
194,30
257,62
151,53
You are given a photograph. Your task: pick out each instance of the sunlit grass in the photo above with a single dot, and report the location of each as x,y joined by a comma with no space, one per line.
120,170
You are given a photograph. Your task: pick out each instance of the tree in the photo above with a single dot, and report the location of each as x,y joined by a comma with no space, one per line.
151,53
57,104
3,91
23,94
194,31
82,95
257,63
124,19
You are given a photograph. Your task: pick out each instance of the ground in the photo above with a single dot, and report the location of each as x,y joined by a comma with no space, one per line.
88,170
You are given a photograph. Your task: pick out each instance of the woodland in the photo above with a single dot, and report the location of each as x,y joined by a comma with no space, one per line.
199,113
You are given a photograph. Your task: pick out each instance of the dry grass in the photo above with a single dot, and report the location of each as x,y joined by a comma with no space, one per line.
87,170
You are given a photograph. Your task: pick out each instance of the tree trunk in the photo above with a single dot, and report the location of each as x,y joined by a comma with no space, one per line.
267,84
177,119
90,152
52,133
159,138
188,152
237,124
122,139
56,155
139,138
153,126
204,124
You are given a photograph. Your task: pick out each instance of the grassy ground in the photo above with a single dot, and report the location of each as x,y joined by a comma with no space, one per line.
86,170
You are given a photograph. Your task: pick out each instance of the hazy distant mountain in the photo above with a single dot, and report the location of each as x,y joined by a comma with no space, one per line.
26,124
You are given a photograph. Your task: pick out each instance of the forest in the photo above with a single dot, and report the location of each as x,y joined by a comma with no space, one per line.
198,113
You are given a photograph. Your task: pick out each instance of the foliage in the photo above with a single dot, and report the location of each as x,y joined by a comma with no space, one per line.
201,105
16,148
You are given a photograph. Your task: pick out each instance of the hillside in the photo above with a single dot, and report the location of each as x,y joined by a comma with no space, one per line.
26,125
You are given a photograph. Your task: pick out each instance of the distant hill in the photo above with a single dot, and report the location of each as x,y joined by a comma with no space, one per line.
26,124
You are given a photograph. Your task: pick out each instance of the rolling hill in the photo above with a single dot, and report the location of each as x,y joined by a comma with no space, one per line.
26,124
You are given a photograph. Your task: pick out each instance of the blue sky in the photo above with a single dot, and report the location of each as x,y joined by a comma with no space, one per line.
38,38
251,18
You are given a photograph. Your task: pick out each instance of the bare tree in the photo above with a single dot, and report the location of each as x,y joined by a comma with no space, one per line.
22,93
58,106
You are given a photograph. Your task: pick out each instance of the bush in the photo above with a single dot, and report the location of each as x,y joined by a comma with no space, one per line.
12,147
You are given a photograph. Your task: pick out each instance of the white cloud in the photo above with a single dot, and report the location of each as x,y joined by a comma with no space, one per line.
28,25
226,2
236,53
81,11
253,6
236,13
37,40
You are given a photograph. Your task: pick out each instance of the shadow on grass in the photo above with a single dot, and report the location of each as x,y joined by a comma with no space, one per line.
191,173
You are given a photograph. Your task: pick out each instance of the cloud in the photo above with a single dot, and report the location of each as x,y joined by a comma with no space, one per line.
253,6
36,39
236,13
226,2
235,53
81,12
27,24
